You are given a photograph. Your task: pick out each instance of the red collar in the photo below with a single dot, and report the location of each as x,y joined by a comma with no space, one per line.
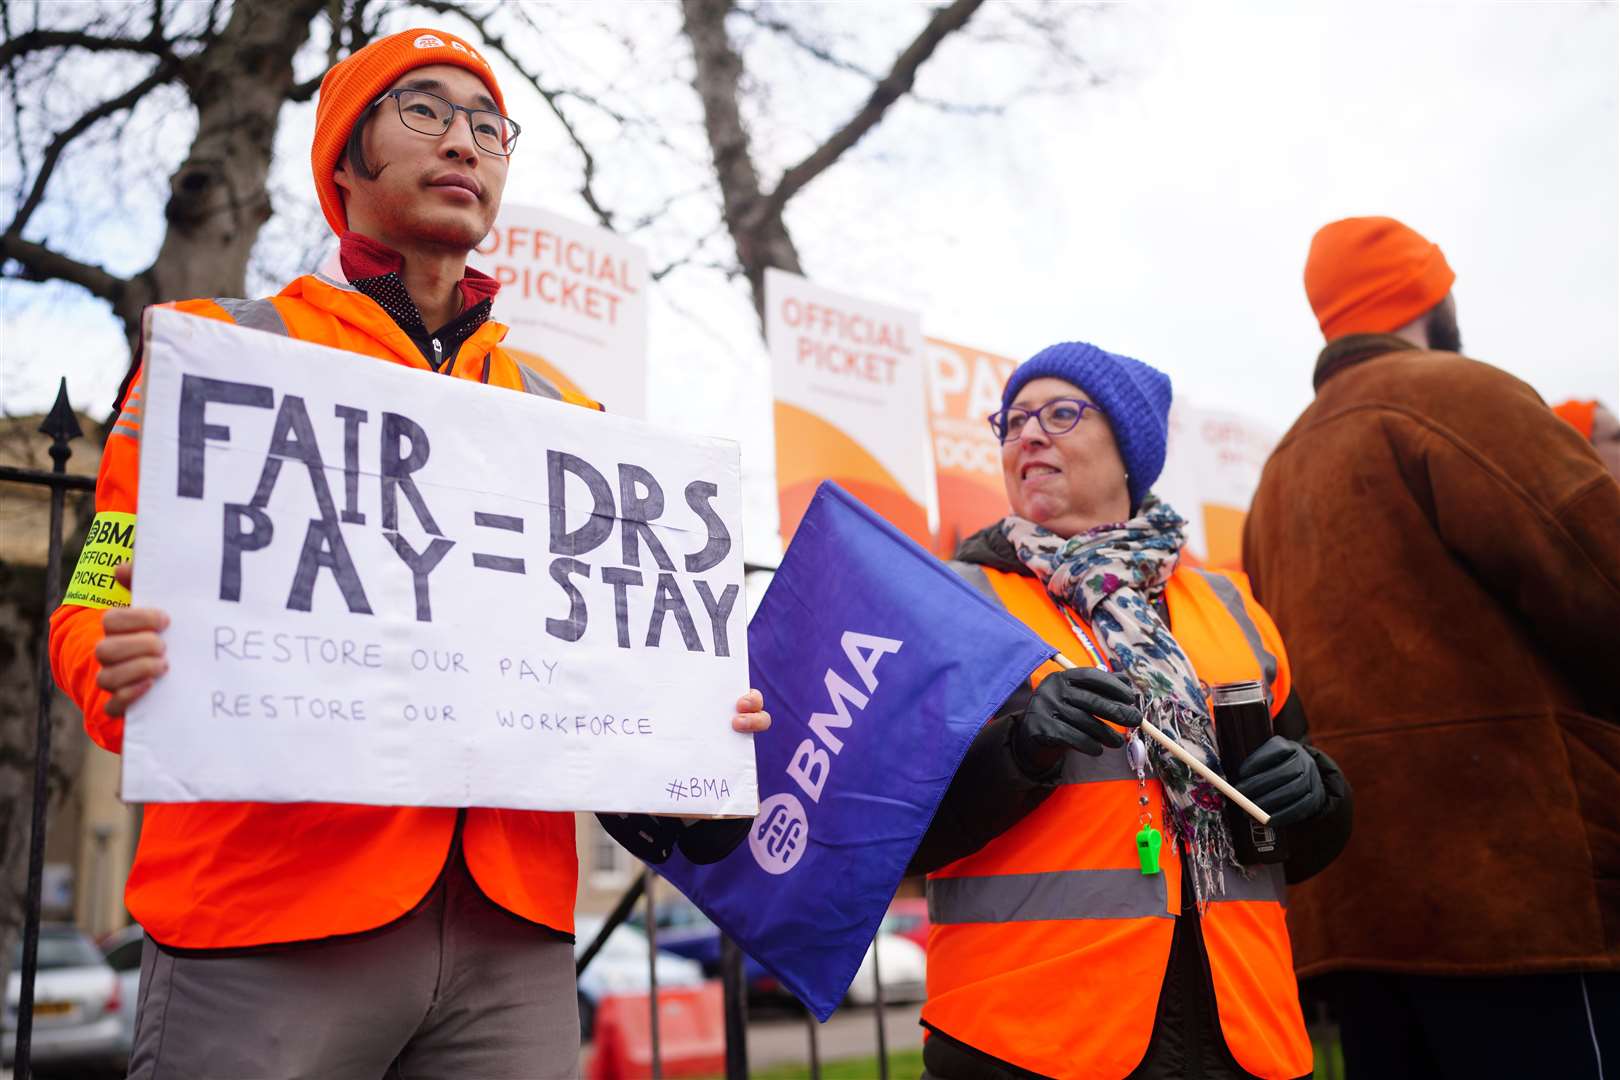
362,257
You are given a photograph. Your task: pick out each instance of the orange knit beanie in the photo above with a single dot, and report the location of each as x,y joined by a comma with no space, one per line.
357,81
1372,275
1580,415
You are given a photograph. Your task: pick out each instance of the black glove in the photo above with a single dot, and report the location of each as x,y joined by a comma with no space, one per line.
650,839
653,839
1067,713
708,841
1282,779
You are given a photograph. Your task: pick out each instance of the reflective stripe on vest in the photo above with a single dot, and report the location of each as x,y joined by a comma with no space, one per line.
129,416
1080,894
536,384
1064,894
255,315
976,577
1227,593
1265,884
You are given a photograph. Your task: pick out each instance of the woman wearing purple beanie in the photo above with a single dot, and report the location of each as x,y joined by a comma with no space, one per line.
1091,915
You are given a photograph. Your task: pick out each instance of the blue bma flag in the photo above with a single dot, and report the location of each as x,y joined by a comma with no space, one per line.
878,665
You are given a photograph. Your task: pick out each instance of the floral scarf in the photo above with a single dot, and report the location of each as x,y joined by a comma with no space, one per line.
1111,575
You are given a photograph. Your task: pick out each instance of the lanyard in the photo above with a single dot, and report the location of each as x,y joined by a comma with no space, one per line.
1096,657
1148,839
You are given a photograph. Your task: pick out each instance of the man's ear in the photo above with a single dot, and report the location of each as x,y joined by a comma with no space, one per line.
340,176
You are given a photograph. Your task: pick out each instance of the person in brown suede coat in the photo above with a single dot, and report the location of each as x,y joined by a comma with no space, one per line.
1442,554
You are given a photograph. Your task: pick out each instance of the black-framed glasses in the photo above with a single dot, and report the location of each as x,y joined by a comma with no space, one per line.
432,115
1056,417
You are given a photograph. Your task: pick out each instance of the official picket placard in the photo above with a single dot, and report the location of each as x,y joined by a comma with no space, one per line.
964,388
575,298
1212,466
397,588
848,380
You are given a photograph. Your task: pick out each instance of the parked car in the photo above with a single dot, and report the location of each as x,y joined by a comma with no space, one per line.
76,1004
621,967
122,948
908,917
686,931
904,969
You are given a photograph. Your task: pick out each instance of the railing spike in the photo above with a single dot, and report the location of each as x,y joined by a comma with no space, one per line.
60,423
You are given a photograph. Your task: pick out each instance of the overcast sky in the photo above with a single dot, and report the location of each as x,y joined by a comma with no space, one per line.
1167,213
1164,213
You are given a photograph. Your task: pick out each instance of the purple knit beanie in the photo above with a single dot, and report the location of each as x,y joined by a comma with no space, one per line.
1133,396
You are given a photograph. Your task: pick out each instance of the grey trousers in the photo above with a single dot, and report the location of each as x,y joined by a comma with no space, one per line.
458,988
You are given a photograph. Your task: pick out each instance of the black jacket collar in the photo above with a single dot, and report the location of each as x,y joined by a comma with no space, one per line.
990,548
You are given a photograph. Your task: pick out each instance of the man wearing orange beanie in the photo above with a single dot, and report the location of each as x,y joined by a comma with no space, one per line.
1443,555
336,941
1597,426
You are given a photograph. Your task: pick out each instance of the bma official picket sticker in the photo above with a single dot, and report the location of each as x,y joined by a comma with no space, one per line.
111,541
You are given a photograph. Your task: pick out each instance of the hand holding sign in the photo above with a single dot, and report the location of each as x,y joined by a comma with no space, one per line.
132,654
751,715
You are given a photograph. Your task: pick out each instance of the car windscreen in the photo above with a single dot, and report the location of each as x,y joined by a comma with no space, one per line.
57,950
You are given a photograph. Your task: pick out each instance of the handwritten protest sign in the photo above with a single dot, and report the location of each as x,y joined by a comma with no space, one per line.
576,299
399,588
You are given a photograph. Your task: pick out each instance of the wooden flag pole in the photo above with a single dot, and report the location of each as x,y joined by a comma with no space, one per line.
1180,753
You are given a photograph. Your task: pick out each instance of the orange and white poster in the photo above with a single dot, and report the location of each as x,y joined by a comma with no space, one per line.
1211,469
964,388
848,382
575,297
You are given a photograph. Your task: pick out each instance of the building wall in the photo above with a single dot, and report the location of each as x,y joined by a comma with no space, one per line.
106,835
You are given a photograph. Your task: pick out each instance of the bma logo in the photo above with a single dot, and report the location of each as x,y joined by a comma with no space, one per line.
428,41
780,834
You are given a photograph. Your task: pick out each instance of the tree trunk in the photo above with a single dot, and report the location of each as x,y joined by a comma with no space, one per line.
219,198
761,239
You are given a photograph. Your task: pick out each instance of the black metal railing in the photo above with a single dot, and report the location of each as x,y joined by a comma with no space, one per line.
62,427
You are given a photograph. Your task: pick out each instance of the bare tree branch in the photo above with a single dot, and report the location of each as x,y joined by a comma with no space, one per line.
664,207
40,263
30,41
350,33
731,269
796,37
16,106
305,90
162,73
889,89
761,240
213,20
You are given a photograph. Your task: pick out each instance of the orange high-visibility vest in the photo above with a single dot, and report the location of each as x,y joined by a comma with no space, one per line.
1049,945
232,875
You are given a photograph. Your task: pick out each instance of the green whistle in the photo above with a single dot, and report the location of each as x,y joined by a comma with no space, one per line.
1148,842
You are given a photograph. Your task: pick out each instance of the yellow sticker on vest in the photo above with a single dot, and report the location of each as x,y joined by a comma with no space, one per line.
111,541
